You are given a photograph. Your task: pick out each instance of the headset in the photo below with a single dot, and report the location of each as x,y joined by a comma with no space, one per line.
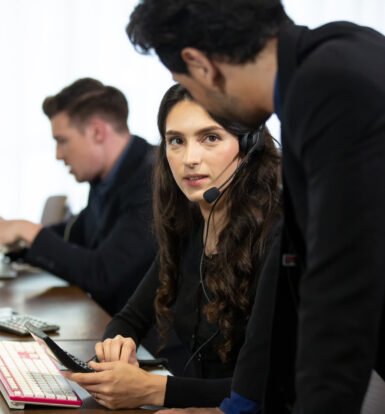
253,141
249,144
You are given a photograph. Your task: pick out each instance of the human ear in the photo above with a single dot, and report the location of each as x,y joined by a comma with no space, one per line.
202,68
97,129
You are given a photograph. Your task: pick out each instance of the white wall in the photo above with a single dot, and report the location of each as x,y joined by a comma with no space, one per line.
47,44
314,13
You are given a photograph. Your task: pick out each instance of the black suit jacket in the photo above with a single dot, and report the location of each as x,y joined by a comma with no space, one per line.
320,325
122,248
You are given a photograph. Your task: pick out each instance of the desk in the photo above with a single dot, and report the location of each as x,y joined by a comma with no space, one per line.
51,298
81,321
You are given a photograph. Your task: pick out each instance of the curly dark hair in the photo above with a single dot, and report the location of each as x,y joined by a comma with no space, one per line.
233,31
253,201
87,97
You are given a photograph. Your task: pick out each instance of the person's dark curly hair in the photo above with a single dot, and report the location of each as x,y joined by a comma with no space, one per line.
253,200
231,30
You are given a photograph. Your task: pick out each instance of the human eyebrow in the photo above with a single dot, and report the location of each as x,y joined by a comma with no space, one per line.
172,133
210,129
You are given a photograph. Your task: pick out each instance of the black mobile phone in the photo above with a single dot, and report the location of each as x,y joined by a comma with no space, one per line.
55,352
153,363
71,362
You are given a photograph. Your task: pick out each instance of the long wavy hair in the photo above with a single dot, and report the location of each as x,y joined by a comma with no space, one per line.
253,207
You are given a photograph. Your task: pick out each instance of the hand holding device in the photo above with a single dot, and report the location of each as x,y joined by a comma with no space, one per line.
117,349
120,385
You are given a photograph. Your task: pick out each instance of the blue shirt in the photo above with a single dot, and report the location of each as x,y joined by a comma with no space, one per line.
237,404
98,194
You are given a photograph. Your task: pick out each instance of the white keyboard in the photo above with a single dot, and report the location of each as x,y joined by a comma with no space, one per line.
29,376
14,323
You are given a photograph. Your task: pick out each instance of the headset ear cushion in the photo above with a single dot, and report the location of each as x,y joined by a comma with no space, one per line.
260,139
243,143
252,140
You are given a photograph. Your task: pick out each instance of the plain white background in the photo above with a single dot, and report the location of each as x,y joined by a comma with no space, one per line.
47,44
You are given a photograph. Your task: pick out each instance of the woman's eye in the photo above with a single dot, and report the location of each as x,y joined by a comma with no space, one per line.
175,141
212,138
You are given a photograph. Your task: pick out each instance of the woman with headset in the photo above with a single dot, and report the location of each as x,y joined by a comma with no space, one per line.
216,207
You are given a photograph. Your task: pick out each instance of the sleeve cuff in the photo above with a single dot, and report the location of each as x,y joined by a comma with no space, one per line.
237,404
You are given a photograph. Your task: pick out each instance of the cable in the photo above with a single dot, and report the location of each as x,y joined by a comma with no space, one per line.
233,176
201,272
204,244
202,282
278,144
200,347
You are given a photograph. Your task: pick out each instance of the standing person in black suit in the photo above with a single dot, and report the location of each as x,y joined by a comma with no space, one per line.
323,328
108,247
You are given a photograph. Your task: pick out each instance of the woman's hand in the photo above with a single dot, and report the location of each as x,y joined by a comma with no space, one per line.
117,349
121,385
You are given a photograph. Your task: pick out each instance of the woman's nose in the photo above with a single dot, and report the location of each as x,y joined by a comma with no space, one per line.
192,155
